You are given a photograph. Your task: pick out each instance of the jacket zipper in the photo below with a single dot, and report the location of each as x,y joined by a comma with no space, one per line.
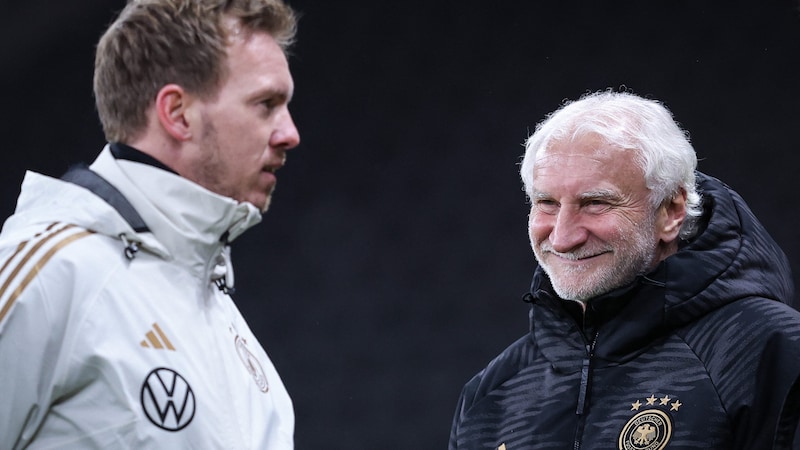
583,394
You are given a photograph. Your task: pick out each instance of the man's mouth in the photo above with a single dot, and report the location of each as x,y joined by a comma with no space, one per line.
571,256
273,167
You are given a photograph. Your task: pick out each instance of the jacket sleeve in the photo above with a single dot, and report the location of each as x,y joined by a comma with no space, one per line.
773,414
460,409
32,336
787,435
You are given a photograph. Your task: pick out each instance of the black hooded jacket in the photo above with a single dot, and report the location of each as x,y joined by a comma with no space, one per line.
703,352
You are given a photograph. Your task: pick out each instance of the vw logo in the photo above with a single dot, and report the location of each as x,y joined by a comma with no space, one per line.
167,399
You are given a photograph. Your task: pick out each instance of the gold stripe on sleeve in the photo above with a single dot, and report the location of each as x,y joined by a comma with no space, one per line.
37,266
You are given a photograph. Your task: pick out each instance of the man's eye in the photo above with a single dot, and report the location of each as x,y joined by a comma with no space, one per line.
547,206
596,205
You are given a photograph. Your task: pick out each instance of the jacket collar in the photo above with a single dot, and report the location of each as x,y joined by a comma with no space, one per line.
187,222
123,151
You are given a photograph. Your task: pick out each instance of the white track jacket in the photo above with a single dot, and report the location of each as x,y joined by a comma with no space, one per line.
101,351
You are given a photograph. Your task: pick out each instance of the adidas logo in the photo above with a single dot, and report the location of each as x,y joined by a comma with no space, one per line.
157,339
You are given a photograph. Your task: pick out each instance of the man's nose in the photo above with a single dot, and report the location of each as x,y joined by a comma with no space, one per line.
285,136
568,230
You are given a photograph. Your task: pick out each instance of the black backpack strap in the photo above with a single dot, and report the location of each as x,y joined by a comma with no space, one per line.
81,175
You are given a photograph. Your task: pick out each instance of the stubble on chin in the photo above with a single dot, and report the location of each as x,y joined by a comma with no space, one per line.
572,283
583,282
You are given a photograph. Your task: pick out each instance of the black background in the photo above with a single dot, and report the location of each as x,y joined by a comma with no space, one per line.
390,267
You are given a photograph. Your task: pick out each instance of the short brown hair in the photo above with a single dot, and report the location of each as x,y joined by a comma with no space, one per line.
156,42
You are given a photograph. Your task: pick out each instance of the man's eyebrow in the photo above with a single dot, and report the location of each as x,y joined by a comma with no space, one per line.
540,195
275,93
602,194
595,194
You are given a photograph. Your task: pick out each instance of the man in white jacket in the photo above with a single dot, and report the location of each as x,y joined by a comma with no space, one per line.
116,325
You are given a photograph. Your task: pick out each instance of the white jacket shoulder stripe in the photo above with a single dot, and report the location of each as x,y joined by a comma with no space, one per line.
41,240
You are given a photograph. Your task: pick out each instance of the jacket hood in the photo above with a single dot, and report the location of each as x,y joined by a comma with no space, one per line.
732,257
185,222
45,200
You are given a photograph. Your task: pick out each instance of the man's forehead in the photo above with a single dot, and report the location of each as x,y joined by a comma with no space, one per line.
588,168
588,144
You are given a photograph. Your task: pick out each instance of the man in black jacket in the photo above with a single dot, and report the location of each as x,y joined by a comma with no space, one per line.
660,314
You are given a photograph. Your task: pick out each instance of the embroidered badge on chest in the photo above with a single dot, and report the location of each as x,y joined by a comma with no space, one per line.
251,363
650,429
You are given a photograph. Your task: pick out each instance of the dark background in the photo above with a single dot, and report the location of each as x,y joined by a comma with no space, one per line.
390,267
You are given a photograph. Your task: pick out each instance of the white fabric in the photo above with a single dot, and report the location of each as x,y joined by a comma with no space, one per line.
81,325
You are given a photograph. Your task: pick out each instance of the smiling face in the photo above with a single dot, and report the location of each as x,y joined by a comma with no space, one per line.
244,131
591,226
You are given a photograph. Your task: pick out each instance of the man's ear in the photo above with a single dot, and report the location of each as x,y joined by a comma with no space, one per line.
172,102
671,216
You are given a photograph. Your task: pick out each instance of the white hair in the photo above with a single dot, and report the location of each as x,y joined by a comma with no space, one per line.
630,122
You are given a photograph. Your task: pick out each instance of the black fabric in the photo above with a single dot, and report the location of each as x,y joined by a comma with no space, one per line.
81,175
124,151
706,344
